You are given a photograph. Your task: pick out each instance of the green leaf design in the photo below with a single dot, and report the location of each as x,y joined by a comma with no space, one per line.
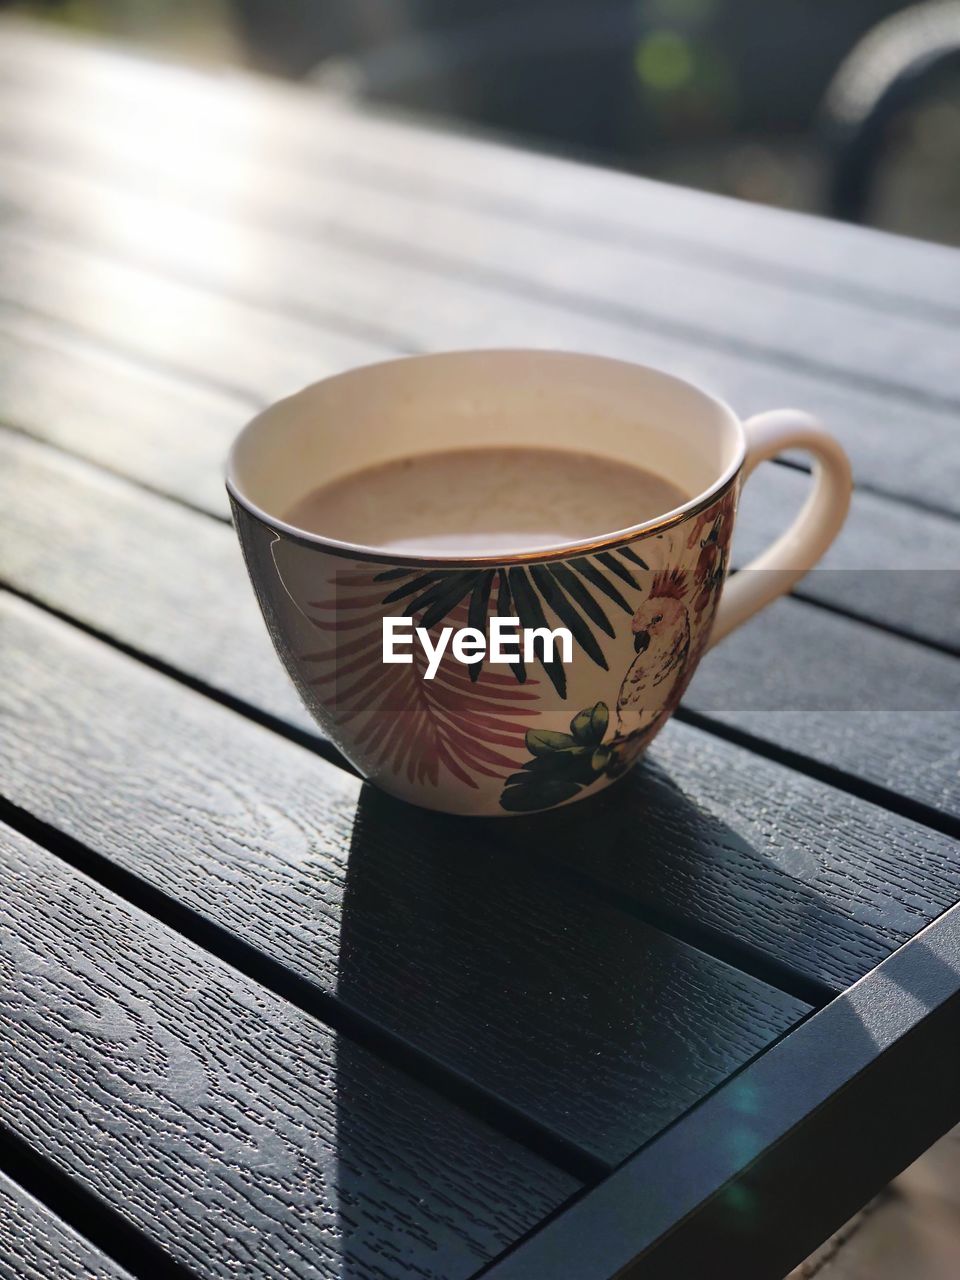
572,763
561,764
581,726
541,742
589,725
544,796
600,716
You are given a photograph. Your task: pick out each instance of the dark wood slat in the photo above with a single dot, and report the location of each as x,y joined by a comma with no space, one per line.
172,585
891,564
162,579
825,882
782,1156
37,1245
446,303
239,1134
168,434
241,349
851,698
700,303
598,1026
46,77
175,441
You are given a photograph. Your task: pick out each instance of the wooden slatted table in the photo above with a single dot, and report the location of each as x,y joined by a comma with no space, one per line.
260,1021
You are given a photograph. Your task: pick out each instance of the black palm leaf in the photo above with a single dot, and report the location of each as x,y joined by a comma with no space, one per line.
585,566
568,588
579,628
505,610
571,586
530,612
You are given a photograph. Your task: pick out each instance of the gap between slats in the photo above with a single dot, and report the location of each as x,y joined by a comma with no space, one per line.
377,176
125,1244
836,777
511,284
393,342
917,503
248,402
873,793
508,1120
882,796
637,318
832,774
353,317
889,628
571,303
95,1221
382,173
738,955
85,1213
108,1230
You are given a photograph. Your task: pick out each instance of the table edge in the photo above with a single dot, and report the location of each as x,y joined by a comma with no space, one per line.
847,1115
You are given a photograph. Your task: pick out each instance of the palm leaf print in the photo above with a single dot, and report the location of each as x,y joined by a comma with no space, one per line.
568,589
460,724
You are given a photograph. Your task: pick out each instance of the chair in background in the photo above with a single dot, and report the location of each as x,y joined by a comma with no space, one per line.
905,60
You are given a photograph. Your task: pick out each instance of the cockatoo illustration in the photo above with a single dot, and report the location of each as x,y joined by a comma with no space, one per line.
661,637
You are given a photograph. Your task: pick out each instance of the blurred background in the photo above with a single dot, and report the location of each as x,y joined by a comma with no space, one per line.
849,108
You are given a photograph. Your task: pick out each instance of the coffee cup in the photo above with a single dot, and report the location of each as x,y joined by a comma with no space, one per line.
499,726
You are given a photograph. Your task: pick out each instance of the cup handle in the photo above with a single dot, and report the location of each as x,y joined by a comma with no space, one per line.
799,548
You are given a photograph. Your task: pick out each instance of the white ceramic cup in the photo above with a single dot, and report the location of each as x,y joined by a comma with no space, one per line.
642,604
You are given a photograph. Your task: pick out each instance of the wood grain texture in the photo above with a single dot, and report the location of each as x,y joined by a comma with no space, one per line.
823,1122
241,1135
890,564
165,433
420,301
172,584
305,1155
45,75
841,694
167,581
701,303
705,832
601,1028
807,874
243,350
36,1245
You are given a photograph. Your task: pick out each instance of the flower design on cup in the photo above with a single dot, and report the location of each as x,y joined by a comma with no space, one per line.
669,626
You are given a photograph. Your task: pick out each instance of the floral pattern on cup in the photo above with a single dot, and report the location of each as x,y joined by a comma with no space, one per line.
669,638
474,724
464,724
